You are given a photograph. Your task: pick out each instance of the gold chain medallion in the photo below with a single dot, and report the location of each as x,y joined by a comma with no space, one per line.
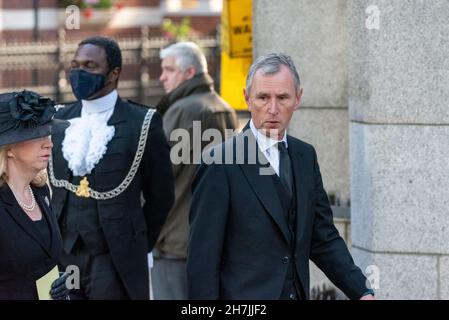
83,189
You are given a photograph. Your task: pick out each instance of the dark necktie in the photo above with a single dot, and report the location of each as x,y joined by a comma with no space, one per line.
285,168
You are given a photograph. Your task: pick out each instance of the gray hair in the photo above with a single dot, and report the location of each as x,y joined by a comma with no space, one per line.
187,54
271,64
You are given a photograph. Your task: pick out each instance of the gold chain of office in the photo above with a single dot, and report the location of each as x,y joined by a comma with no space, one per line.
83,189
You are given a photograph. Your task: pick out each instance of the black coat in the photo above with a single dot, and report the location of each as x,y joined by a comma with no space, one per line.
24,254
130,230
240,244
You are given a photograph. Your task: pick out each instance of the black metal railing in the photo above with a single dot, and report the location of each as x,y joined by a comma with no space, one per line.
43,66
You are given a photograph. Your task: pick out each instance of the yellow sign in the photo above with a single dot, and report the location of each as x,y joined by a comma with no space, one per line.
44,283
233,79
237,48
236,25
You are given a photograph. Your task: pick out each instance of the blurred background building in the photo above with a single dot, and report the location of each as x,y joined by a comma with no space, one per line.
38,38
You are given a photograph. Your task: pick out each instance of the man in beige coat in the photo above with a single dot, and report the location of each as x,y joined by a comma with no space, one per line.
190,106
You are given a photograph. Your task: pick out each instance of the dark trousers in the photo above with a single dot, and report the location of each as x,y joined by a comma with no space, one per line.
99,279
169,279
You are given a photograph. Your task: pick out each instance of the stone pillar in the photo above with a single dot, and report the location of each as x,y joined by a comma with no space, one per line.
399,132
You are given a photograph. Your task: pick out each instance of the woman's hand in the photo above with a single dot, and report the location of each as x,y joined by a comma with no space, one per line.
59,290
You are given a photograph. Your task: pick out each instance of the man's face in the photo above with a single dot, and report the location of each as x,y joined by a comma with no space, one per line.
272,100
172,76
92,58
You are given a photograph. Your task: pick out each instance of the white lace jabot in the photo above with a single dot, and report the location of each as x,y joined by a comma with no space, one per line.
87,137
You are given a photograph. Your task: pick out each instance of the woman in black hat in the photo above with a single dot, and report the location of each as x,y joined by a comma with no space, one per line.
30,242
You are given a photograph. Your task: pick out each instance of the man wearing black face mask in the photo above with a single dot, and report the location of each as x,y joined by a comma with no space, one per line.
114,151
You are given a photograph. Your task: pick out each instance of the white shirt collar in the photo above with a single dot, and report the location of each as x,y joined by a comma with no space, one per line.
265,142
101,104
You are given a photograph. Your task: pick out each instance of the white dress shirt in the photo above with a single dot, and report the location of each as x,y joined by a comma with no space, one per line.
268,146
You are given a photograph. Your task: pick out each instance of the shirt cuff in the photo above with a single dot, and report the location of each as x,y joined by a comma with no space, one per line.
369,291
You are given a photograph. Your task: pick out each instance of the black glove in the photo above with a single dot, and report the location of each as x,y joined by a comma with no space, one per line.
59,290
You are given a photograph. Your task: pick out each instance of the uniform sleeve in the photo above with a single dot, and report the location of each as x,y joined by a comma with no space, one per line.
329,251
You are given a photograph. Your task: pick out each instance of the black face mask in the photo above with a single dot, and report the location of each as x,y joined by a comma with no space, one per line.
84,84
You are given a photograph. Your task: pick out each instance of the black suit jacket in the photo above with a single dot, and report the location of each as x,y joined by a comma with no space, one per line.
24,254
240,244
130,230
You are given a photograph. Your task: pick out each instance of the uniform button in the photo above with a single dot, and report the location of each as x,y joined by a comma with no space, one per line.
285,259
292,296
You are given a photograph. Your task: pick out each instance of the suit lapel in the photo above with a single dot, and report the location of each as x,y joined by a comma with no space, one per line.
44,203
298,171
61,166
115,146
14,210
263,185
119,114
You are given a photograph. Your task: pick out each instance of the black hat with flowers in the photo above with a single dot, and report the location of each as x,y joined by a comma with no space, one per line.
25,116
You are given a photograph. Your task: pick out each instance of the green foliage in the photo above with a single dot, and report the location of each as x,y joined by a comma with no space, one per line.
177,31
83,4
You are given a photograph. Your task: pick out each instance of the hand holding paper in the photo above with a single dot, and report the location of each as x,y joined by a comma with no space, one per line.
59,290
44,284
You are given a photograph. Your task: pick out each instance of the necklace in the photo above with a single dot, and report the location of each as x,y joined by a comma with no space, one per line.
32,205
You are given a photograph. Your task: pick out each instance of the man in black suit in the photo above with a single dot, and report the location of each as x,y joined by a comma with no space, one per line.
257,219
113,152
